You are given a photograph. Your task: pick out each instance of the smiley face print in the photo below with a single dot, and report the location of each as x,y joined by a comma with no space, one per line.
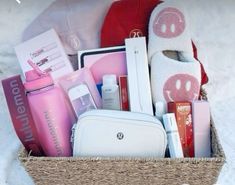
169,23
181,87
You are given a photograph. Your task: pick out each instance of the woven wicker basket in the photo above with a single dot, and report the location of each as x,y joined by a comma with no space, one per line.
75,170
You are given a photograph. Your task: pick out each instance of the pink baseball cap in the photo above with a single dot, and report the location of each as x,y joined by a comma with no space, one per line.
77,22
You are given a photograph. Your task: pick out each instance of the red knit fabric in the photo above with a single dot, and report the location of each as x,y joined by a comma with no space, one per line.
204,77
125,19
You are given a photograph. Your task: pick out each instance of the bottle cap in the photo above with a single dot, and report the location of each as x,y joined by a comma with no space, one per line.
109,79
160,109
35,81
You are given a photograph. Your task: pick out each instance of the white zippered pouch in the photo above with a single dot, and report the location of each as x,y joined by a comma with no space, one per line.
109,133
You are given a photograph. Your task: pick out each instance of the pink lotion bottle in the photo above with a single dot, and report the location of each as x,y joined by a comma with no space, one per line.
50,113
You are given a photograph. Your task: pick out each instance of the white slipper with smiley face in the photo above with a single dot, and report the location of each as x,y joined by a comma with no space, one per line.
174,80
175,76
169,29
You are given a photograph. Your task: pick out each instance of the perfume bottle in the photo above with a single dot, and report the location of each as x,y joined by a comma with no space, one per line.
81,99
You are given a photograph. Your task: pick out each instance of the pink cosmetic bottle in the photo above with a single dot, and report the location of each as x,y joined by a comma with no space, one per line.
50,113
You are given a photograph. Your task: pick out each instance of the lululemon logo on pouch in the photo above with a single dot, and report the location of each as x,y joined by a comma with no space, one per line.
120,135
135,33
169,23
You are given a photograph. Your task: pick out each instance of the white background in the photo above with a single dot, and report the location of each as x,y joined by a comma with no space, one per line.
213,31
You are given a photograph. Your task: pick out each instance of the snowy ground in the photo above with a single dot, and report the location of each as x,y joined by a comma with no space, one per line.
212,28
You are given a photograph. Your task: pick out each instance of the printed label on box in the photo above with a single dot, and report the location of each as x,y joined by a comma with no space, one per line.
183,115
47,52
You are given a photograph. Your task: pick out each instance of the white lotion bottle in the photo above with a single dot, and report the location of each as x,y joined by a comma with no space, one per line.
110,93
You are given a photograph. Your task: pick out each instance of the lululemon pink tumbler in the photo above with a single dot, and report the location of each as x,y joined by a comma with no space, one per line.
50,113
